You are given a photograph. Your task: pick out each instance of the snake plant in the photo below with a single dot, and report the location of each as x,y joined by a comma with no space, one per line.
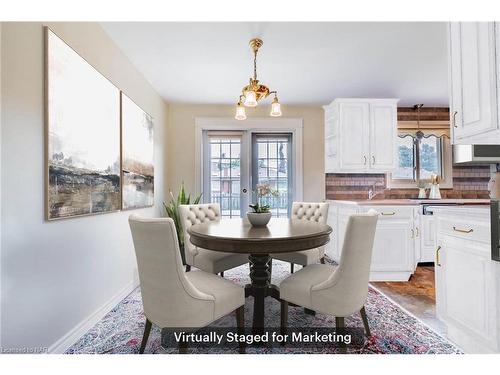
172,211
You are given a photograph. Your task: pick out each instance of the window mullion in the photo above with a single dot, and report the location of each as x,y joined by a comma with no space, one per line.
416,146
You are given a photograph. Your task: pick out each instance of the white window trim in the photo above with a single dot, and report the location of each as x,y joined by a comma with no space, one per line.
264,125
446,183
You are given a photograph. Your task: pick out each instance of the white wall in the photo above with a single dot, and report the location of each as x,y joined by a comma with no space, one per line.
181,155
55,276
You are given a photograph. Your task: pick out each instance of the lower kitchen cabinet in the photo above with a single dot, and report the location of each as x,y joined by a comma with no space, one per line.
467,280
427,237
331,248
393,256
395,241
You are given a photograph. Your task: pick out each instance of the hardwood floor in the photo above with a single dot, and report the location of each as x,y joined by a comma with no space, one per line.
418,295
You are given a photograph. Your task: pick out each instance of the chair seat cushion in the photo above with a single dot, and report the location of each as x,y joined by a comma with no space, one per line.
304,257
228,295
216,261
297,287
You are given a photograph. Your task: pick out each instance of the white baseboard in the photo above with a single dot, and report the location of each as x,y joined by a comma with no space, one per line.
65,342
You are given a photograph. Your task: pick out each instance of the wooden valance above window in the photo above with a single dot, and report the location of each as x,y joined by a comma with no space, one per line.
433,120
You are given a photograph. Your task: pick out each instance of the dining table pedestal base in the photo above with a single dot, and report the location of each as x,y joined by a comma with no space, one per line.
260,288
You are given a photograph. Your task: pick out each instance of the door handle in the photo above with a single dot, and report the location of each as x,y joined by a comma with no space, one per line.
463,230
416,232
453,120
388,213
373,158
437,256
364,157
412,233
244,190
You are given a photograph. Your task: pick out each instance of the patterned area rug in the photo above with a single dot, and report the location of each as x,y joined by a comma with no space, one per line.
393,330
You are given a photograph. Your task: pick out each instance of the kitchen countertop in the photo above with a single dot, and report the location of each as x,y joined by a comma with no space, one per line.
413,202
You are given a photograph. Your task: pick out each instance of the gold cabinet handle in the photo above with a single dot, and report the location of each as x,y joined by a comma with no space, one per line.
463,230
373,158
437,256
453,119
388,213
364,157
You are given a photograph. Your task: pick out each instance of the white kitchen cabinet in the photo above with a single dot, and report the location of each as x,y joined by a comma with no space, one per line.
331,248
353,136
427,238
360,135
467,280
343,211
393,256
383,135
474,76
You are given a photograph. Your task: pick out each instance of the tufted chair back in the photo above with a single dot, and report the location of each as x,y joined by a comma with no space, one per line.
310,211
192,214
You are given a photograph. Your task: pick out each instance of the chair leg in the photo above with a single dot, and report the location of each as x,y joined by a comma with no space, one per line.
309,311
339,325
322,260
222,274
284,316
145,336
291,267
188,268
365,321
240,323
183,347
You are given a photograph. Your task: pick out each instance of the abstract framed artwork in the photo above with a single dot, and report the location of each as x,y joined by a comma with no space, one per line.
137,156
82,135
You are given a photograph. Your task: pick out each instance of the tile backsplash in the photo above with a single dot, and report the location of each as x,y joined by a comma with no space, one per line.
469,182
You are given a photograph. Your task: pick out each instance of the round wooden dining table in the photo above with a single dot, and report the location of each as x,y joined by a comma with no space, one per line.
279,236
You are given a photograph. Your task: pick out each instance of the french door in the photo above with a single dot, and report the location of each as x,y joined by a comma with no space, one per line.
236,161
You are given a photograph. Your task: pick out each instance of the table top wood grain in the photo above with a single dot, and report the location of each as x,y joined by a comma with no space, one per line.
279,236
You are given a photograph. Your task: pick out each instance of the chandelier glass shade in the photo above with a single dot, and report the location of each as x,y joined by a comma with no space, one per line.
240,112
252,93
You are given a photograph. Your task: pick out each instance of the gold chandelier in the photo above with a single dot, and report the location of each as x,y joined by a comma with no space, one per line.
254,91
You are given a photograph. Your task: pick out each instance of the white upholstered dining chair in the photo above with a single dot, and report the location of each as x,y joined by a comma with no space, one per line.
204,259
171,297
316,212
339,291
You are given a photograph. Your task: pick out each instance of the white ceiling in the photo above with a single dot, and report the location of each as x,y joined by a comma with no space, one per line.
308,63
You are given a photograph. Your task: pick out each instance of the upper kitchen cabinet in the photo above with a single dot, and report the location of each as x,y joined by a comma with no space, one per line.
360,135
474,70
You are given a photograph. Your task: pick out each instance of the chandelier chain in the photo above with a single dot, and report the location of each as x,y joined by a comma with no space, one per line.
255,65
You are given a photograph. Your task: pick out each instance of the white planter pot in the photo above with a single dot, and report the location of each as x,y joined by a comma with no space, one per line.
259,219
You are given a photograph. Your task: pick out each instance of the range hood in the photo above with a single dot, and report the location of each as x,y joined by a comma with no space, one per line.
476,154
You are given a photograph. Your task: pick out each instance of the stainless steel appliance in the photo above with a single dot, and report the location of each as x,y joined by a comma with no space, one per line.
476,154
495,229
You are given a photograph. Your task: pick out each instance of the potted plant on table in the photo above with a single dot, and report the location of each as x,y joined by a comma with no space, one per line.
172,211
261,212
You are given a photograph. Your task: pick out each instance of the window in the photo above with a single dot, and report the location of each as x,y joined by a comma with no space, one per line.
419,158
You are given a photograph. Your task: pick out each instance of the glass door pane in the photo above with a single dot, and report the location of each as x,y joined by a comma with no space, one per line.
271,164
224,174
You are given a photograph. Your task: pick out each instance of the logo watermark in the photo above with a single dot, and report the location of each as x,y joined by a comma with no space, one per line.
25,350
